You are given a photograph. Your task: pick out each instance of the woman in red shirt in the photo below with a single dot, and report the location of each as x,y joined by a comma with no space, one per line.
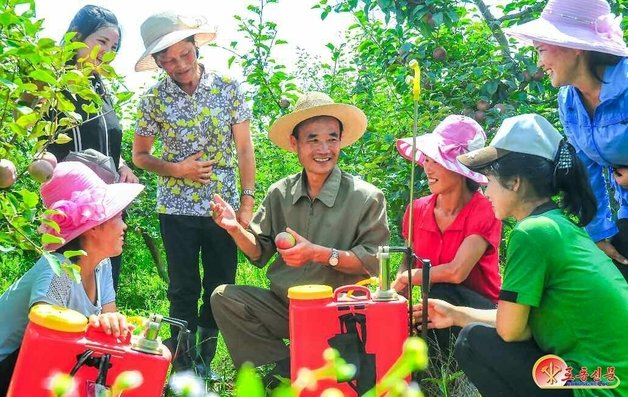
455,226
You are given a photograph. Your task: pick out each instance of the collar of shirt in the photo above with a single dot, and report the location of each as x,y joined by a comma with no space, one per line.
615,80
173,88
428,221
542,208
328,193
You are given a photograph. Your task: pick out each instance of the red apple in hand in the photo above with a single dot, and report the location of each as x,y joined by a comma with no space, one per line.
285,240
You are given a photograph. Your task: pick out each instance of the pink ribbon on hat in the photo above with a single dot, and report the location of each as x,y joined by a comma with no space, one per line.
609,27
452,148
83,206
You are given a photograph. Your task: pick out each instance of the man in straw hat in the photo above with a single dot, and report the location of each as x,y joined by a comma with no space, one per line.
337,220
581,47
202,120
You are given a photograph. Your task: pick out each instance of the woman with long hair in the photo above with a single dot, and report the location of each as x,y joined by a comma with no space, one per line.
96,27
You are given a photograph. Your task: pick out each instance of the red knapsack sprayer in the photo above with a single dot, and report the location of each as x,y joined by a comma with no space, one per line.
57,340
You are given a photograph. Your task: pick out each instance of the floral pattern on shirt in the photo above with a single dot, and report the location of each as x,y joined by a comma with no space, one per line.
188,124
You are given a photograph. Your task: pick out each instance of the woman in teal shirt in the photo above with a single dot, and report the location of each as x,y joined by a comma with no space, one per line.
581,47
560,293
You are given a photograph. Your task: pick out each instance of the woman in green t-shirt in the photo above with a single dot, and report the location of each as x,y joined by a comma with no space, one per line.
561,295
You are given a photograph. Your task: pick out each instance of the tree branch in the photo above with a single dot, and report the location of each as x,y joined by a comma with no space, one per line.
495,27
151,244
535,8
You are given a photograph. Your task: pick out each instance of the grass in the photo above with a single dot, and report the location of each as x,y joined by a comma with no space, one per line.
444,378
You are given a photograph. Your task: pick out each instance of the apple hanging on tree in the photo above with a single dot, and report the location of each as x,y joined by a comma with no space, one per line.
8,173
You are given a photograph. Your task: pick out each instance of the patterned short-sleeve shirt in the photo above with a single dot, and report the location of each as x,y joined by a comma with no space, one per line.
188,124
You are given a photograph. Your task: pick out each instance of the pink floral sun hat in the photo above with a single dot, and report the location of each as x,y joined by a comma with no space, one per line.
454,136
83,200
579,24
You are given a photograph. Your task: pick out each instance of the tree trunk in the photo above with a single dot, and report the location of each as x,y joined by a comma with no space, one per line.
153,248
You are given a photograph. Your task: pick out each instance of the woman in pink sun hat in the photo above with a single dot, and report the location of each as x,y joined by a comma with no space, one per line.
581,47
89,218
455,226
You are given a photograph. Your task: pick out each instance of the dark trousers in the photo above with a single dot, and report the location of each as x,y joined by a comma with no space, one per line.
620,242
6,371
499,368
440,340
186,239
116,264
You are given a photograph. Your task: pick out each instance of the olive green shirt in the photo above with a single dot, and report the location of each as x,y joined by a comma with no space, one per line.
349,214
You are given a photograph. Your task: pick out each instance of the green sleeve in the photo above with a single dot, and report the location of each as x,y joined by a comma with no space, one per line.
526,268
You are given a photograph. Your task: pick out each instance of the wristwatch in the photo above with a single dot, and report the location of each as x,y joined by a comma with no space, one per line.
333,258
248,192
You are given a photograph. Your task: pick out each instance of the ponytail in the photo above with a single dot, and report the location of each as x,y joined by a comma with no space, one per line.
565,176
571,181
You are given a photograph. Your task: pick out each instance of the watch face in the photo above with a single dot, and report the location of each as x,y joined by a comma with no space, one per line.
333,259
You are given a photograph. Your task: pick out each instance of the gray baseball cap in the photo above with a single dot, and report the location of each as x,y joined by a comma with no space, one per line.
526,133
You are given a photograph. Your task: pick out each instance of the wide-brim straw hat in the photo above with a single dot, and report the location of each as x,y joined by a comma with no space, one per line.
579,24
312,104
162,30
452,137
83,200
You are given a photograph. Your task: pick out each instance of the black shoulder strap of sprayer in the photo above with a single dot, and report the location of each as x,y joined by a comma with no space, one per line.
353,337
102,363
349,325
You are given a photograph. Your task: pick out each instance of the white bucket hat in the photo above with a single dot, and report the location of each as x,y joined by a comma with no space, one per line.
162,30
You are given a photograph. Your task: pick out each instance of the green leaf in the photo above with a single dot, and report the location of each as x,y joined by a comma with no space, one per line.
71,253
109,56
94,52
62,139
9,84
46,43
47,238
53,262
63,104
248,382
51,224
29,198
27,120
74,271
124,96
44,76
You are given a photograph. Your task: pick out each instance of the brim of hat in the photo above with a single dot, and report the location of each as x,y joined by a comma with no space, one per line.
118,196
566,35
202,36
353,123
476,160
427,145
